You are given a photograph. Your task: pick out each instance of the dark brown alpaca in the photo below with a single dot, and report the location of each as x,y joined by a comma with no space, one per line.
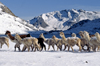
17,45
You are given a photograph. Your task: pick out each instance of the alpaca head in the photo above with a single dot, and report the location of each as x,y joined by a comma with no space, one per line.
61,34
42,36
7,32
81,33
97,34
53,36
73,35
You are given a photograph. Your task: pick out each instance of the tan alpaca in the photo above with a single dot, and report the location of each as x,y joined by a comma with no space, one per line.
98,39
28,42
71,41
50,42
84,42
59,43
4,40
93,42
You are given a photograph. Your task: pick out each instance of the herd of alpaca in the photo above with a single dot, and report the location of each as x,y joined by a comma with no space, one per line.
92,42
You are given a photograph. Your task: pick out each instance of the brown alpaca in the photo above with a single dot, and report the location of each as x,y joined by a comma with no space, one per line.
93,42
28,42
17,45
71,41
50,42
4,40
84,42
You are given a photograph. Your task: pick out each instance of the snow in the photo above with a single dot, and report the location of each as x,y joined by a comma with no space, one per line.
9,57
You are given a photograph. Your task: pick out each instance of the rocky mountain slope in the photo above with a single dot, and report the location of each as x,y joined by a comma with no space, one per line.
8,21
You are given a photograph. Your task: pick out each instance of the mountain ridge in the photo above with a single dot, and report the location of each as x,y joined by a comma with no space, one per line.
64,19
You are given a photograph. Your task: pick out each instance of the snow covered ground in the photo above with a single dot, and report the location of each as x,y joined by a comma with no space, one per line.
9,57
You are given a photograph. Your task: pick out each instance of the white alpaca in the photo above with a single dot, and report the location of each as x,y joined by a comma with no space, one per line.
28,42
71,41
4,40
84,42
92,41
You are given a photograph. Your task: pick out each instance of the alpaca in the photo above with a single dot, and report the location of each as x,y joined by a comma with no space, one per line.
28,42
84,42
71,41
98,39
50,42
41,42
4,40
59,43
17,45
92,41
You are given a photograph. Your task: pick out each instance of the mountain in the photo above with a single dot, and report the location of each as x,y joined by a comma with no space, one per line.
91,26
64,19
8,21
6,9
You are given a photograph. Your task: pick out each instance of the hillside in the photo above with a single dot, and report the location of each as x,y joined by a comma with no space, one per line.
8,21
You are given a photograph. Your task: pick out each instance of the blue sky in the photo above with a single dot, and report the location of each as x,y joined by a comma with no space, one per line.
28,9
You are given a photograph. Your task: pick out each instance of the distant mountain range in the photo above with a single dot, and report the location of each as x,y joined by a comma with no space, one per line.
67,20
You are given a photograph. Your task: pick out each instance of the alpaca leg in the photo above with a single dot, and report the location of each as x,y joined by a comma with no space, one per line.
88,47
1,45
28,48
98,48
41,48
44,47
24,48
72,48
7,43
32,47
35,49
64,47
94,48
57,47
53,47
80,48
60,47
68,48
19,48
38,46
15,46
48,47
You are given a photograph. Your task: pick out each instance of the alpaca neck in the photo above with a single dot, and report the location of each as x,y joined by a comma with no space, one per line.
63,37
88,38
10,36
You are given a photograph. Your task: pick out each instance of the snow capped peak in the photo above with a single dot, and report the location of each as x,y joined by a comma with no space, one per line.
64,19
